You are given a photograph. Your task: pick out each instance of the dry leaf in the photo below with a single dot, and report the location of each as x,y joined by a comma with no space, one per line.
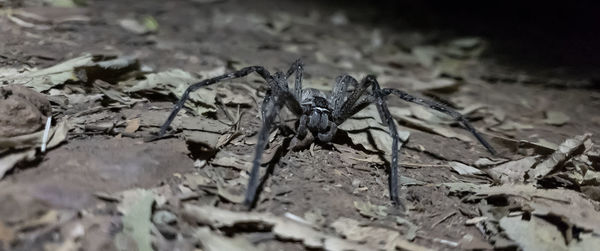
488,162
513,171
7,235
463,169
411,233
136,207
145,25
442,130
10,160
175,82
382,238
56,135
85,68
437,84
509,125
516,145
535,234
132,125
556,118
565,151
214,242
315,217
282,227
429,115
370,210
244,161
365,125
570,205
228,97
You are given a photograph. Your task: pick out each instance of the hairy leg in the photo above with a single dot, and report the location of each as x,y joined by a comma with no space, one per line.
328,135
270,108
298,68
301,140
346,109
441,108
386,118
356,101
237,74
340,92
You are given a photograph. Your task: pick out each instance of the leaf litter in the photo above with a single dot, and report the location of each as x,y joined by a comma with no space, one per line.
530,183
292,230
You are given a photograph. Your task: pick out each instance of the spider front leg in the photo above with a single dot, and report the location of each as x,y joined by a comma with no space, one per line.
237,74
302,137
386,118
348,105
339,93
270,108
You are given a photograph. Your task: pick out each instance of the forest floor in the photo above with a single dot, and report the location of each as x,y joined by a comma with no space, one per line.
109,73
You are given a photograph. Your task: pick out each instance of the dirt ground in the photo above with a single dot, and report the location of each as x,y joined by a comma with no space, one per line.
84,192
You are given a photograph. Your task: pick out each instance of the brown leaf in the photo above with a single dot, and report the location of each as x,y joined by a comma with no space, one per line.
565,151
513,171
463,169
215,242
533,234
365,129
284,228
382,238
7,236
370,210
571,206
556,118
132,125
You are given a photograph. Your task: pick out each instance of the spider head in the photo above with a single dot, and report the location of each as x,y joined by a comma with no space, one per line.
320,103
313,99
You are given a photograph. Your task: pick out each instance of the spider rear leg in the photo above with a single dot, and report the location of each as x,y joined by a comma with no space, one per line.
441,108
236,74
298,68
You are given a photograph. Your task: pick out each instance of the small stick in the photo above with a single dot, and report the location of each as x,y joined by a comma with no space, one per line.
46,131
443,219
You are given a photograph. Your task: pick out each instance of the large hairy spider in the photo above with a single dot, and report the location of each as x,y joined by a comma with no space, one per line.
320,113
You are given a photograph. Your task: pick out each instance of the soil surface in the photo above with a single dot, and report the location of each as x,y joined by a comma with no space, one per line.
81,179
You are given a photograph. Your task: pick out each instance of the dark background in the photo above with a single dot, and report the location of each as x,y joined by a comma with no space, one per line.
561,34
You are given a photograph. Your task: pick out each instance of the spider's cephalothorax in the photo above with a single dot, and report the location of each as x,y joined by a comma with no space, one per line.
320,114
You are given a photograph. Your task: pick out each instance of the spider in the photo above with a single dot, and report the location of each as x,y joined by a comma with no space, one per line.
320,113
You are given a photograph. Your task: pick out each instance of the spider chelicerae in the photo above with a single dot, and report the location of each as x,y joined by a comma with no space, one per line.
320,113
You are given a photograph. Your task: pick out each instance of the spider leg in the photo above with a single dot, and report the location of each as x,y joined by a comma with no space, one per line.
270,108
236,74
301,133
339,93
328,135
345,110
298,68
357,101
386,118
441,108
